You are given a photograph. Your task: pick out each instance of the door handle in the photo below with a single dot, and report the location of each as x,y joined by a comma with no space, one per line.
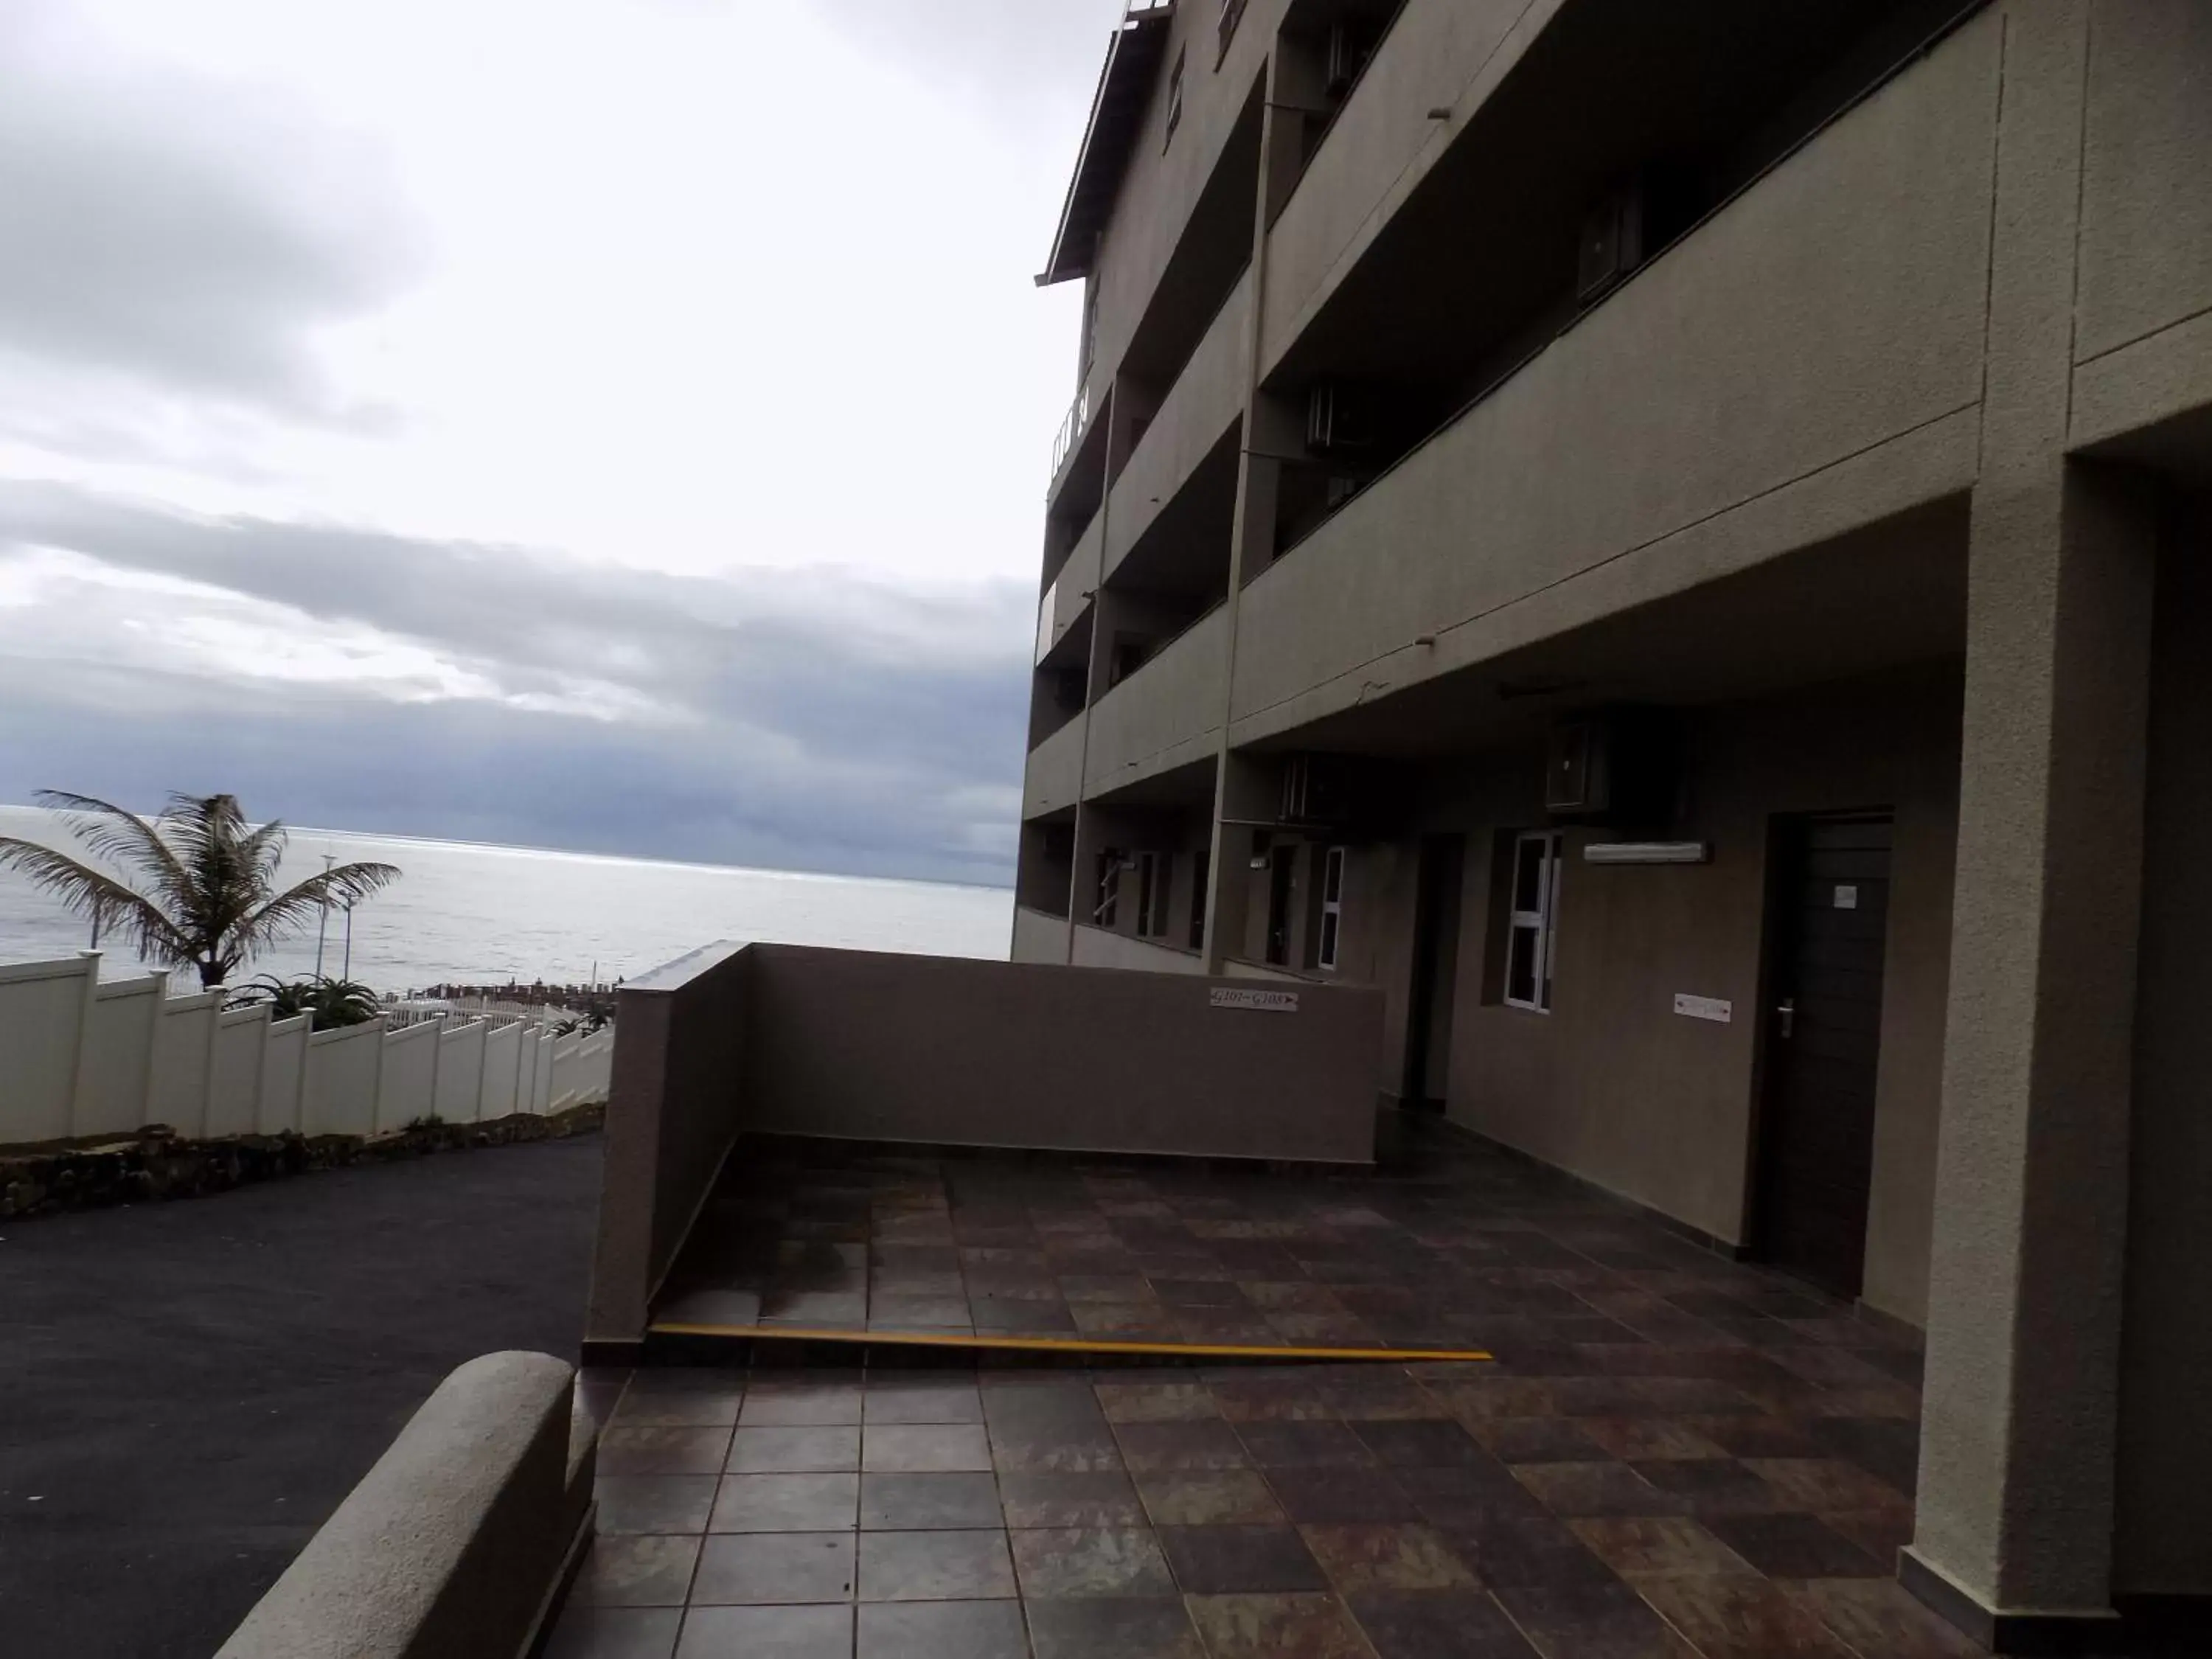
1788,1011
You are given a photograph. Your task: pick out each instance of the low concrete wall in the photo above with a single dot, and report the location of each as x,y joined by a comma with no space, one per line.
671,1117
452,1546
936,1050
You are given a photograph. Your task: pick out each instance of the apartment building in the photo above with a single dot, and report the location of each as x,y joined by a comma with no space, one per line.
1675,540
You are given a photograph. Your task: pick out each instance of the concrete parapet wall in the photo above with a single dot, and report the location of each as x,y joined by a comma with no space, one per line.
451,1546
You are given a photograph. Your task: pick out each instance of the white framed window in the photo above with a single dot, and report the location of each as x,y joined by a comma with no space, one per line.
1154,882
1332,908
1175,98
1106,904
1532,923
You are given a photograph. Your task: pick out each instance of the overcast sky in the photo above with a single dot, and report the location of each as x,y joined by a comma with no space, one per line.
610,424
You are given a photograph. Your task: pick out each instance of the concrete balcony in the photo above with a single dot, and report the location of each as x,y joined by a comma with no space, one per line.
1206,399
1099,947
1165,715
1054,779
1039,937
1071,591
1382,143
1806,362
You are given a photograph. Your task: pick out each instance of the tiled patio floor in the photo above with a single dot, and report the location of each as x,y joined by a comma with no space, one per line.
1673,1455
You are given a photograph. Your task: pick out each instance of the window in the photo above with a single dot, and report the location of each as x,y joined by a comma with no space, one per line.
1532,926
1331,907
1175,98
1155,881
1108,903
1232,13
1199,867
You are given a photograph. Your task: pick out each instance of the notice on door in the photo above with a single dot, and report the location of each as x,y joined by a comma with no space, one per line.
1847,898
1712,1008
1265,1002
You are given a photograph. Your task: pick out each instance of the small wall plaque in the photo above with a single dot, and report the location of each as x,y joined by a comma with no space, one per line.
1847,898
1266,1002
1712,1008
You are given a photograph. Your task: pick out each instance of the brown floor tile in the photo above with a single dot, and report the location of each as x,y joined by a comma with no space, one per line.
824,1308
929,1502
1433,1625
1421,1445
1341,1495
1387,1556
1273,1401
1540,1439
757,1568
919,1449
1741,1616
1299,1444
1072,1450
1150,1448
786,1503
920,1313
1881,1617
1819,1483
636,1572
935,1567
653,1503
677,1408
1059,1563
794,1451
1460,1495
1712,1485
1640,1439
1880,1533
918,1401
615,1632
1496,1396
1125,1321
1156,1628
662,1451
1588,1622
1757,1435
787,1632
1277,1626
1658,1545
1212,1497
1570,1490
1126,1289
784,1406
1054,1498
1240,1560
1529,1554
1794,1546
1156,1402
942,1630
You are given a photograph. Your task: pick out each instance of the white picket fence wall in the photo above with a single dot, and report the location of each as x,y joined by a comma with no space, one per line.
78,1058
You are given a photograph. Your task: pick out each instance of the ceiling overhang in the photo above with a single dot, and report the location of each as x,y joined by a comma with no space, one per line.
1117,110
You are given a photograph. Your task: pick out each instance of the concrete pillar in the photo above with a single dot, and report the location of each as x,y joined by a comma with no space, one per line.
2015,1501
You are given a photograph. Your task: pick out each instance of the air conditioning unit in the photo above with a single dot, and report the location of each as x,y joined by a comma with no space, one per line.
1338,418
1348,54
1613,244
1615,765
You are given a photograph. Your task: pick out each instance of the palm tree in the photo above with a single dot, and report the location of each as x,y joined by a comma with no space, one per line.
209,902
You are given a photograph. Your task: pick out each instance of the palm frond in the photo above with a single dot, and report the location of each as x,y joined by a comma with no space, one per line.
96,896
120,836
292,909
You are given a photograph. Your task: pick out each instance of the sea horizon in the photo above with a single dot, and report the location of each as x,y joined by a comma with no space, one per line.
488,912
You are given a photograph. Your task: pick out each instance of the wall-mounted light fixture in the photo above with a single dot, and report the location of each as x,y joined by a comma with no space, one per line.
1648,852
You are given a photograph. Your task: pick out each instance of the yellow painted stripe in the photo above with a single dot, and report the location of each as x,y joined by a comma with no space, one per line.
958,1340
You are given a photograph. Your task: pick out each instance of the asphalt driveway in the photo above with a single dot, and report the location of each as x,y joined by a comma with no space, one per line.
187,1390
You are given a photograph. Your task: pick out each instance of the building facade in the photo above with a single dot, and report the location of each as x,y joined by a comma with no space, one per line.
1677,541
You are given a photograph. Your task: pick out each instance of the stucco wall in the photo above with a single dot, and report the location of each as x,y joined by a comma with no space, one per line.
1095,947
1163,714
1205,401
2163,1537
937,1049
1054,775
1039,937
1615,1086
2146,214
1838,304
1439,54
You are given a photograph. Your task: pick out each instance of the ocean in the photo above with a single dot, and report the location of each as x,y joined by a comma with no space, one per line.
463,914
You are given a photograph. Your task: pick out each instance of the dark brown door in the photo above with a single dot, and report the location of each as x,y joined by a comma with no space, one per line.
1830,910
1436,952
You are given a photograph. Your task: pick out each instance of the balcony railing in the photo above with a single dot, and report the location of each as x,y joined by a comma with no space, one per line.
1072,429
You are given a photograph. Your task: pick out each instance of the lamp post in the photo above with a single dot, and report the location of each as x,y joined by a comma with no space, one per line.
323,925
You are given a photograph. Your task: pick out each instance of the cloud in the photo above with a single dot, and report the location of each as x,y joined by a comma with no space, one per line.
152,245
818,717
1017,58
